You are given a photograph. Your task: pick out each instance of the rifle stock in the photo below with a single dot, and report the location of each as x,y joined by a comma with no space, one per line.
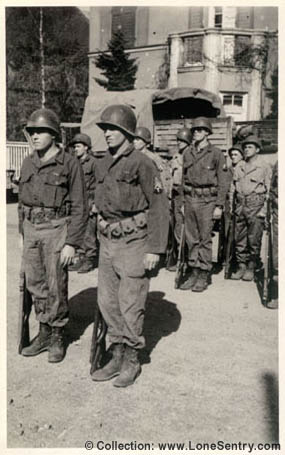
267,258
25,307
98,343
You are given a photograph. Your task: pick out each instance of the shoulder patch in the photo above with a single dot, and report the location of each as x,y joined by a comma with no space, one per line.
157,185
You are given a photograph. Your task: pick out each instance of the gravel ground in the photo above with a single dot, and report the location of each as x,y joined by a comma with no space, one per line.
209,369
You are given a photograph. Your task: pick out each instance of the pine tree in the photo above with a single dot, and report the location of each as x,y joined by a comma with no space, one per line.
273,94
118,68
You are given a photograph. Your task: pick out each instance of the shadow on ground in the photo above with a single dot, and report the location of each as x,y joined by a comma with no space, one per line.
270,385
82,308
161,319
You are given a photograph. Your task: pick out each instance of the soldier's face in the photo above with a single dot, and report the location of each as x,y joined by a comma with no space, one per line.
42,138
250,150
80,149
139,143
236,156
114,137
199,134
181,145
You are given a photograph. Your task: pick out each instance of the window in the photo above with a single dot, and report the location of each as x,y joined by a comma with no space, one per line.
193,50
236,50
235,104
218,16
124,19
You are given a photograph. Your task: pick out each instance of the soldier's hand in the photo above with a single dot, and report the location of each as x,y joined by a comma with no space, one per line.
150,261
67,254
261,213
182,209
217,214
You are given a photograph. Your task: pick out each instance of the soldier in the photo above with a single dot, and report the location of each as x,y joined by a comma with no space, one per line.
251,181
88,258
53,216
184,138
133,233
205,184
142,142
273,304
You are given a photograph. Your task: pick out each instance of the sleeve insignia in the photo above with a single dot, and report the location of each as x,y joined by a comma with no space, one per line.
157,185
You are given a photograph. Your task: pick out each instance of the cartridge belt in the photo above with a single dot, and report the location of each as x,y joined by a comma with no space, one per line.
124,227
38,215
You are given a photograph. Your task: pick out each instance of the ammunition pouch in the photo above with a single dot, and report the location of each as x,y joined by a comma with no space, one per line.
38,215
250,199
200,191
122,228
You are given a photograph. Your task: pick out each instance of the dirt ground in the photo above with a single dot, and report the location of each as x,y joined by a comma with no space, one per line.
209,369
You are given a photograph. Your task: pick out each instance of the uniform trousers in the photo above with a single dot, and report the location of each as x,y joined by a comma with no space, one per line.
248,232
46,278
122,288
198,229
177,214
275,237
90,238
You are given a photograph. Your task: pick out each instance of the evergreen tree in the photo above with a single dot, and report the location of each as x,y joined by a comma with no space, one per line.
118,68
273,94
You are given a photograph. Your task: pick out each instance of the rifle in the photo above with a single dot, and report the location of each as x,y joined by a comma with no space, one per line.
98,343
230,243
25,307
268,268
181,261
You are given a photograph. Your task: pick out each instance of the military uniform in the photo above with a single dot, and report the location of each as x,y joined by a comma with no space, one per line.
131,223
274,211
164,171
52,206
177,195
251,181
205,185
88,164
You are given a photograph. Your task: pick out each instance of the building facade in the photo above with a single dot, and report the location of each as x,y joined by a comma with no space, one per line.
230,51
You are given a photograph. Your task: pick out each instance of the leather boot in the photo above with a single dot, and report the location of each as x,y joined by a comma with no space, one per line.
249,273
40,343
240,272
56,350
202,281
190,282
112,368
130,370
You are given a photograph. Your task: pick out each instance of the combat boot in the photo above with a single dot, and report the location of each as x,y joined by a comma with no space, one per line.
202,281
130,370
40,343
240,272
249,273
87,265
112,368
56,350
190,282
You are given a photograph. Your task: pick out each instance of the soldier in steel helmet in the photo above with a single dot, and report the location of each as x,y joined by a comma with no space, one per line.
251,183
184,139
53,215
88,257
142,142
132,215
205,185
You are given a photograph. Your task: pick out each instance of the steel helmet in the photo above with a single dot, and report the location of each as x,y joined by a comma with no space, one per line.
44,118
119,115
238,147
252,140
144,134
185,135
82,139
202,122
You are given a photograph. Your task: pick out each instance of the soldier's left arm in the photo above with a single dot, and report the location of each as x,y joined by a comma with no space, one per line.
158,208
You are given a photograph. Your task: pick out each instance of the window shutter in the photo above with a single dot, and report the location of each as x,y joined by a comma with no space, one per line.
124,19
196,17
193,49
244,17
